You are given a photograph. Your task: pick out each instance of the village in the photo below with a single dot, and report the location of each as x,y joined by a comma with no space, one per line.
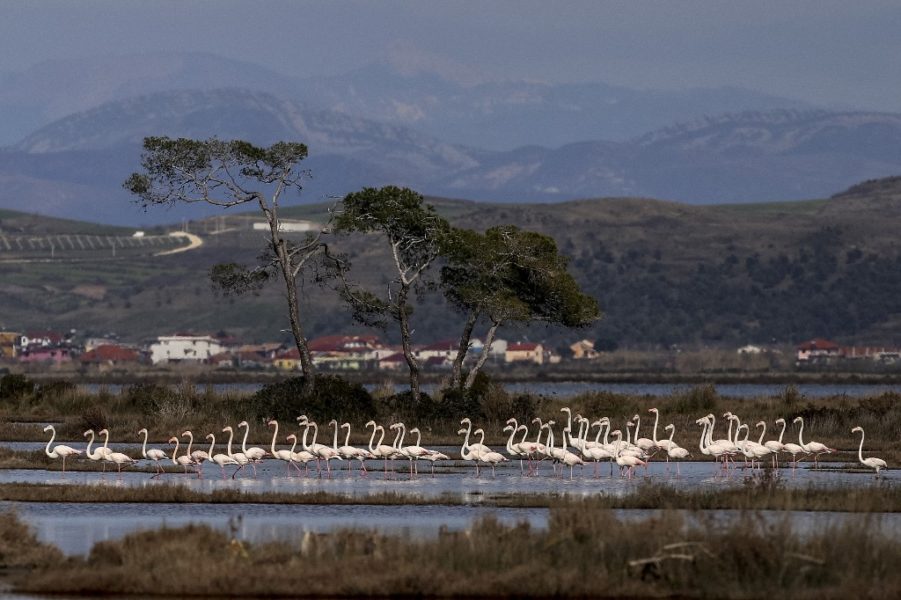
354,353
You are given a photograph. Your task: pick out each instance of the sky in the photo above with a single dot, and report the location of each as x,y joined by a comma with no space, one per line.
828,52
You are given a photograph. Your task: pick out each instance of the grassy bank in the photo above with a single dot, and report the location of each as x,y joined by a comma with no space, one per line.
585,552
753,494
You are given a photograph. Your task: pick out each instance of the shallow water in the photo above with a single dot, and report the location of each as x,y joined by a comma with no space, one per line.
456,479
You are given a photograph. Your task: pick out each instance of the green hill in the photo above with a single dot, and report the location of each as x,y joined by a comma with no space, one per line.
664,273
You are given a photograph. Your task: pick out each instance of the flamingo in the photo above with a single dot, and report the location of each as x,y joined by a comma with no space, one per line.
154,454
99,453
648,446
776,445
350,453
674,451
380,450
815,448
513,450
254,454
662,444
326,453
566,457
492,458
118,458
626,462
238,457
416,450
872,462
472,447
199,456
59,450
285,455
184,460
304,456
220,459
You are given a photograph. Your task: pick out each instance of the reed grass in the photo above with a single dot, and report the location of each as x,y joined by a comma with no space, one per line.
585,552
751,495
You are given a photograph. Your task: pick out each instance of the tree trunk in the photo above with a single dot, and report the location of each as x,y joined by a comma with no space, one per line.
457,374
489,339
412,363
286,266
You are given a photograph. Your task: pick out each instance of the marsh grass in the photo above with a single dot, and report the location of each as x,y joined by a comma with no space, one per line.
38,459
168,411
585,551
752,495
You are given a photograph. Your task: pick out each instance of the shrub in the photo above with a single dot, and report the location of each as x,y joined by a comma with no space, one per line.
15,387
149,398
332,398
701,398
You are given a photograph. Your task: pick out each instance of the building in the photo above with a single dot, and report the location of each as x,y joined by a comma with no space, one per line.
109,355
525,352
346,352
184,348
445,350
583,349
8,344
818,351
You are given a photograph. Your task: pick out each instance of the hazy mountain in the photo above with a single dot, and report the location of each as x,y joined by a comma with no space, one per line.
74,167
410,88
504,115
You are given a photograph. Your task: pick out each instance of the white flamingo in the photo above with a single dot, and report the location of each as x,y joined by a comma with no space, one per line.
117,458
220,459
380,450
473,447
815,448
199,456
98,453
238,457
285,455
60,450
254,454
674,451
626,462
304,456
776,445
154,454
648,446
872,462
184,460
352,453
492,458
662,444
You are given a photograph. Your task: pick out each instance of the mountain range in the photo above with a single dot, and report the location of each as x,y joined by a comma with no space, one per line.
441,130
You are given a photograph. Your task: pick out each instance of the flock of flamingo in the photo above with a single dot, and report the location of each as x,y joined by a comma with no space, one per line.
573,449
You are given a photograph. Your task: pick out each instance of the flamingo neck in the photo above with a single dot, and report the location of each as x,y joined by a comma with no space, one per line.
372,438
231,435
303,442
418,438
781,433
637,425
702,443
672,432
525,432
656,420
190,443
244,441
274,435
175,452
90,442
860,449
762,434
294,445
335,440
403,433
729,433
538,437
105,439
212,444
801,434
381,437
347,437
510,441
52,437
315,433
143,447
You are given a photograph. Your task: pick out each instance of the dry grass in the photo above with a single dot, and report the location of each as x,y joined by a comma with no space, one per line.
585,551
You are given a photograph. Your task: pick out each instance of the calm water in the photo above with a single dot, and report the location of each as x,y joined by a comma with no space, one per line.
569,388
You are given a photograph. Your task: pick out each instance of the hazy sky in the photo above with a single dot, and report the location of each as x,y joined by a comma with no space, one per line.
831,52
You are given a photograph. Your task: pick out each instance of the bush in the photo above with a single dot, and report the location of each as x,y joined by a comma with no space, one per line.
15,387
332,398
149,398
880,405
701,398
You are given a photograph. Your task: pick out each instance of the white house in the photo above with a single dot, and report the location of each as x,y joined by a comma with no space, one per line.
182,348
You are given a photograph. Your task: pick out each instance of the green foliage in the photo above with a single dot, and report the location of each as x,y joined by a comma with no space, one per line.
14,386
331,398
880,405
699,399
232,278
148,398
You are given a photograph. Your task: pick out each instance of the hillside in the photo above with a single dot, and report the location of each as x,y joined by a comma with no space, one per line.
664,273
74,167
